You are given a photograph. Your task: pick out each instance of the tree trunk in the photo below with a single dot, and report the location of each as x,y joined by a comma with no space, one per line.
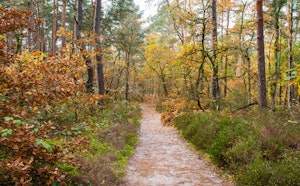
42,46
127,77
291,88
31,30
239,67
97,24
164,83
226,54
277,8
261,55
215,78
90,71
63,22
79,20
54,27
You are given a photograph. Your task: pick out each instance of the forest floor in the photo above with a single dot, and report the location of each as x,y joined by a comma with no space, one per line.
163,158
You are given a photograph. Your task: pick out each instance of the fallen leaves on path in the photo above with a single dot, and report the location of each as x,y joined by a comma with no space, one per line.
163,158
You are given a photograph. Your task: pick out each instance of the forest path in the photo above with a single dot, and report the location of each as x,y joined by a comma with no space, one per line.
163,158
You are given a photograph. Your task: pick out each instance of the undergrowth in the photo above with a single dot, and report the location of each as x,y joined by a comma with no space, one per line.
71,144
258,147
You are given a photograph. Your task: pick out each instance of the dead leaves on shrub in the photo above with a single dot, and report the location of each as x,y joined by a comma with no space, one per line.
173,108
23,162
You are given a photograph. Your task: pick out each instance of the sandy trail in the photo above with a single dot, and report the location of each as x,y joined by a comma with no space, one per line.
163,158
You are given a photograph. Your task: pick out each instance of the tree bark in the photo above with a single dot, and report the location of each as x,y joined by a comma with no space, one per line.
127,76
291,88
90,71
31,30
54,27
42,46
63,21
277,9
226,54
215,78
97,24
261,55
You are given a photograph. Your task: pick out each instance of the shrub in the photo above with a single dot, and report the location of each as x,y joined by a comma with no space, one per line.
230,130
243,152
197,128
258,147
266,172
26,156
259,172
287,171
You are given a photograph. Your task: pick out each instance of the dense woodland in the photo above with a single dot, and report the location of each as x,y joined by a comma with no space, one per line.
72,70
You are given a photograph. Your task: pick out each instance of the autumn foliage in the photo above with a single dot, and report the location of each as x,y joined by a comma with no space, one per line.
26,157
32,85
10,20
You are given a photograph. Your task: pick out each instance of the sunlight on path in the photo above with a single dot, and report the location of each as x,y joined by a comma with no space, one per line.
162,158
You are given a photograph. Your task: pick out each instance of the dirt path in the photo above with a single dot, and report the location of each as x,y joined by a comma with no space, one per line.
162,158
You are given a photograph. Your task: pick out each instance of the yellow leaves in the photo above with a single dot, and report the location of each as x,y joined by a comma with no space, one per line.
77,75
68,70
64,33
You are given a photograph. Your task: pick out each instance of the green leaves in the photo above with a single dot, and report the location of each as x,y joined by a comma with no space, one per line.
14,121
45,144
7,119
6,132
293,75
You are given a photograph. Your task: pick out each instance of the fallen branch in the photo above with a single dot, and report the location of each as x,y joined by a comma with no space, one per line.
244,107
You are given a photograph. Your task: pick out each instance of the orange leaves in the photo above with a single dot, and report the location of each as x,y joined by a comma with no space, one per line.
12,19
35,83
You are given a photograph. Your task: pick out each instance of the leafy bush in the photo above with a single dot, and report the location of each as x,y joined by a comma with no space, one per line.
26,156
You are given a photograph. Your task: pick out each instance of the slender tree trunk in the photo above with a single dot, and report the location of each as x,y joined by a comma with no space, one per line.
42,46
226,54
127,73
63,21
239,70
54,27
31,30
97,24
277,8
249,97
9,39
291,88
79,17
261,55
90,71
215,78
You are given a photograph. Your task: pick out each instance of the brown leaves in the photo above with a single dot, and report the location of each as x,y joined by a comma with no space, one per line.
26,162
12,19
34,83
